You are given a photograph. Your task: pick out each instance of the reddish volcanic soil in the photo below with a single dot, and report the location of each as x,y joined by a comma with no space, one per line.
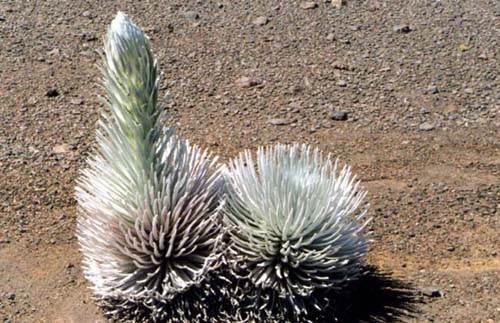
406,92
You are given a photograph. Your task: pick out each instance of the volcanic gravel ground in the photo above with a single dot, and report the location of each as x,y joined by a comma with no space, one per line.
406,92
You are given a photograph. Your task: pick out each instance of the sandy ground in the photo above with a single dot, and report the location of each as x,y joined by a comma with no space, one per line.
416,80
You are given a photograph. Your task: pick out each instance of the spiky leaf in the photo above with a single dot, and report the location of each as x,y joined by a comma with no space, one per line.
148,200
294,228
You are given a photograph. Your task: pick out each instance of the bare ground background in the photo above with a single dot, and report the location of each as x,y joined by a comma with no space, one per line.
417,81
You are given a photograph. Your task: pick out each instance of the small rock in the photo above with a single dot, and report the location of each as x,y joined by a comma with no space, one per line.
402,29
51,93
451,248
77,101
88,14
337,4
191,15
339,116
88,36
260,21
427,126
11,296
327,124
246,82
463,47
432,89
296,89
54,52
331,37
280,121
424,110
61,149
307,5
88,53
432,292
342,83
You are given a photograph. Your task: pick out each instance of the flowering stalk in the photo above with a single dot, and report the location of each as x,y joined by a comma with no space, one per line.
294,235
148,201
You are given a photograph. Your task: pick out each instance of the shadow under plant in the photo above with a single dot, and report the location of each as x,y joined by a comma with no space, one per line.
375,297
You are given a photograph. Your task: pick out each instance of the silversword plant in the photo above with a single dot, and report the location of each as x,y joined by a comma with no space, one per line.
295,232
148,201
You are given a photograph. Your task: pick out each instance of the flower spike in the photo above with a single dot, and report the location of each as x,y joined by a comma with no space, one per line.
148,201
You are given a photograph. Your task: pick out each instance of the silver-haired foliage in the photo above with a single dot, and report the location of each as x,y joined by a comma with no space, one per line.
149,202
295,233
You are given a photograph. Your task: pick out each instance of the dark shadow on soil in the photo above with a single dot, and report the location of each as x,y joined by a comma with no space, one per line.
377,297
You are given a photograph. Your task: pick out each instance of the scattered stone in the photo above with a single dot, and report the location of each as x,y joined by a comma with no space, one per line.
337,4
432,89
77,101
342,67
61,149
191,15
54,52
51,93
295,107
11,296
327,124
246,82
88,36
88,14
260,21
463,47
339,116
307,5
450,249
432,292
280,121
296,89
402,29
88,53
331,37
424,110
342,83
427,126
170,27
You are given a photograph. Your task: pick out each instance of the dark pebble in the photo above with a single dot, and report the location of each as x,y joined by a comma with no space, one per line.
51,93
432,292
402,29
88,36
191,15
339,116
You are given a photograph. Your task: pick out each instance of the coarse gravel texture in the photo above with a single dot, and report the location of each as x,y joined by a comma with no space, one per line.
406,92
